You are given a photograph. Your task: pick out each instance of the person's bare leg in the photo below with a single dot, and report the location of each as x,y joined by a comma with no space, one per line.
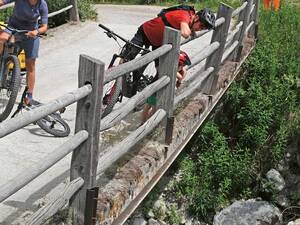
145,113
3,38
30,78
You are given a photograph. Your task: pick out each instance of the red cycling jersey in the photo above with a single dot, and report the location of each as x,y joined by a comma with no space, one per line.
154,29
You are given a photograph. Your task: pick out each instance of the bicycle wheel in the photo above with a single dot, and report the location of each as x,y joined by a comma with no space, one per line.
10,84
55,125
112,97
148,76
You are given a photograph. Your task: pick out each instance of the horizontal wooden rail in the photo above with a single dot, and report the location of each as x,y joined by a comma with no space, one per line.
117,115
204,53
193,86
229,51
219,21
7,5
49,15
120,70
60,11
233,33
44,213
112,154
11,125
23,178
239,9
249,27
197,35
253,7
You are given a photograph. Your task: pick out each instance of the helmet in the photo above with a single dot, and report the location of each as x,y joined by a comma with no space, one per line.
183,59
207,17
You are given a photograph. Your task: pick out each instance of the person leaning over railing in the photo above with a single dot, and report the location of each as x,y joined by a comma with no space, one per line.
150,106
25,16
181,17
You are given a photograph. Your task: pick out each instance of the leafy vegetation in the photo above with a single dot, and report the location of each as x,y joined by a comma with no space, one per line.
261,115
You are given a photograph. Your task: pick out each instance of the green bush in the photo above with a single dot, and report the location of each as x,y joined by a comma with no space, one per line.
260,116
213,172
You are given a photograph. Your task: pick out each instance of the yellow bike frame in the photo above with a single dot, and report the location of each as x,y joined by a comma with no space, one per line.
21,56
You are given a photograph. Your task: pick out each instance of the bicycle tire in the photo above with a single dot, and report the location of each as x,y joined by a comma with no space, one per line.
46,123
11,85
114,95
148,76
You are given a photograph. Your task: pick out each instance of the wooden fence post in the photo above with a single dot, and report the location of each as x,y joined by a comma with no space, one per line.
74,14
254,30
214,60
88,116
244,16
168,65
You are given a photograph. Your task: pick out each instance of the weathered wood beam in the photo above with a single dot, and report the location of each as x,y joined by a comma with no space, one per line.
88,116
60,11
203,54
9,5
219,35
233,33
117,115
193,86
229,50
239,9
197,35
47,211
112,154
74,12
23,178
11,125
115,72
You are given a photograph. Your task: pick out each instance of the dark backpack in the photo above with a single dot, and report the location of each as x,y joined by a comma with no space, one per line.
172,8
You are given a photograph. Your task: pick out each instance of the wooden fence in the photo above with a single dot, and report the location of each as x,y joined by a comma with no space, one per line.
74,15
85,163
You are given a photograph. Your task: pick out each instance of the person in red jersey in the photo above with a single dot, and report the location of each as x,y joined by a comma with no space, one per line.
183,18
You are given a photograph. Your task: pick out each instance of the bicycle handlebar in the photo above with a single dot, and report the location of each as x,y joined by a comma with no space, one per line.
113,35
13,30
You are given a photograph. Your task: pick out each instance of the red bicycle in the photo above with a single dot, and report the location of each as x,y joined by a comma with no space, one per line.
129,84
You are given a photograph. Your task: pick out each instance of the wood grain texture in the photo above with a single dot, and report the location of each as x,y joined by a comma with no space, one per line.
88,116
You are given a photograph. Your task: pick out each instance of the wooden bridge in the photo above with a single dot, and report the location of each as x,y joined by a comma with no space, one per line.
153,146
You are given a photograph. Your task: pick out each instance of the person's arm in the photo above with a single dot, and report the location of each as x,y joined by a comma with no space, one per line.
41,30
185,30
44,19
180,76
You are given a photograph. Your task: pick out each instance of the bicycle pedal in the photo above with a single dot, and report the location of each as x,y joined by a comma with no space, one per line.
120,98
62,110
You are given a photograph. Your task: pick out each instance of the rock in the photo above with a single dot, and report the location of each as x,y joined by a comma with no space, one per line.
250,212
283,201
153,222
139,220
296,222
276,179
150,214
160,209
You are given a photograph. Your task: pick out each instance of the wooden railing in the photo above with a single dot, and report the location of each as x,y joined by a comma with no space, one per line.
86,163
74,15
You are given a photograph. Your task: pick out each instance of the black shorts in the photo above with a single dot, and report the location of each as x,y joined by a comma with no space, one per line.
129,52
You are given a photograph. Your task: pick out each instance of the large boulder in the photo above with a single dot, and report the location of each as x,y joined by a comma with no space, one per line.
250,212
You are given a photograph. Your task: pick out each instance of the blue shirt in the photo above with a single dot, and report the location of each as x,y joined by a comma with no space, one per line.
25,16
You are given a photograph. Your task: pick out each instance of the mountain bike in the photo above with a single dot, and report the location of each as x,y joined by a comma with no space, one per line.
52,123
128,84
9,73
